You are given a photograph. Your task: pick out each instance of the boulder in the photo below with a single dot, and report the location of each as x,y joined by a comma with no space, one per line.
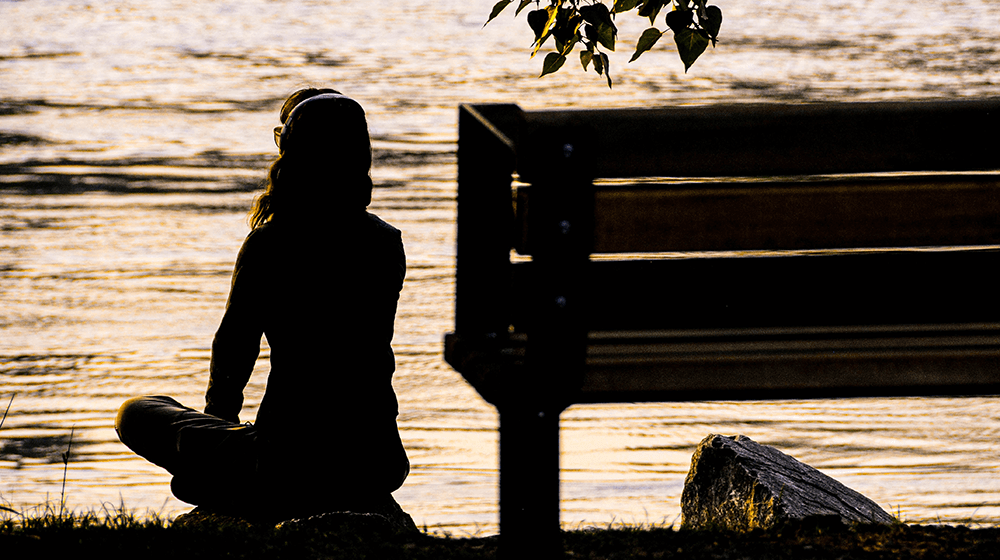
736,483
386,519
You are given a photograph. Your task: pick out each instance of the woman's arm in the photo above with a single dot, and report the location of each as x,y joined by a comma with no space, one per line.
237,341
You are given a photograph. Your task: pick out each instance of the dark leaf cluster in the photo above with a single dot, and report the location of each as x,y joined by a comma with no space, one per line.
591,24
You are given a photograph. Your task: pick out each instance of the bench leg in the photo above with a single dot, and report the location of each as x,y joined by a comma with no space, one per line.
529,484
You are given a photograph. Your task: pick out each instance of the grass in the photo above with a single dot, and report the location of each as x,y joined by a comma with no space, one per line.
113,532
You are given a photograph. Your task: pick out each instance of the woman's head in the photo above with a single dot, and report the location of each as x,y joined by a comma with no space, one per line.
324,157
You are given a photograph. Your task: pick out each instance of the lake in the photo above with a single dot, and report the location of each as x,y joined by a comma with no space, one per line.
133,136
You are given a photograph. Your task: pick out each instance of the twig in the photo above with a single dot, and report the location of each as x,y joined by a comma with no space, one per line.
8,409
10,402
65,456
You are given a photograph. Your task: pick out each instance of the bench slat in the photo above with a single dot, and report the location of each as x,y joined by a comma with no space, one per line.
777,363
843,213
771,140
785,290
947,361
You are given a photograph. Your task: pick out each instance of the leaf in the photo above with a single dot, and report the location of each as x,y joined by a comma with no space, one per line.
599,63
679,20
606,36
597,14
553,61
624,5
585,58
542,31
566,47
648,38
690,44
497,8
536,21
607,68
712,22
602,28
567,25
524,4
651,9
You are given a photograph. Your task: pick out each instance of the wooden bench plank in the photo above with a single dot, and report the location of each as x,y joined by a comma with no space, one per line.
771,140
793,363
841,213
790,290
751,364
782,363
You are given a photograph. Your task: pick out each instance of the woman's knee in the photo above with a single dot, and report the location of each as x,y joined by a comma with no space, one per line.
126,412
137,412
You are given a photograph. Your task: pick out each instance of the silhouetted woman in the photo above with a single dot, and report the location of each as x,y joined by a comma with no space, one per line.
319,276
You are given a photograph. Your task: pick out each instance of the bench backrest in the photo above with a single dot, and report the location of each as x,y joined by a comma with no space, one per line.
728,252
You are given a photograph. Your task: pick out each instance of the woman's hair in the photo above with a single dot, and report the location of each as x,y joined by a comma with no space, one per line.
324,158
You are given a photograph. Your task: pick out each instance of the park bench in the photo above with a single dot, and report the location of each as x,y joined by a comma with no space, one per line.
720,252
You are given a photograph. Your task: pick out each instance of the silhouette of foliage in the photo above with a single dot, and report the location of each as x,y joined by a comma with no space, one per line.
591,24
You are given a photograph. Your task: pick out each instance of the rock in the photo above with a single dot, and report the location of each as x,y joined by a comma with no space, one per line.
384,520
203,518
387,519
736,483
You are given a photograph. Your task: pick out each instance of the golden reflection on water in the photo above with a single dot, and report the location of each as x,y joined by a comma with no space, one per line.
114,286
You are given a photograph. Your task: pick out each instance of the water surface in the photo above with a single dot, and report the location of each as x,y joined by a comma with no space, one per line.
133,135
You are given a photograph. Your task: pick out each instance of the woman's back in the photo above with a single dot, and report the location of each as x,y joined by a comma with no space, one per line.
332,293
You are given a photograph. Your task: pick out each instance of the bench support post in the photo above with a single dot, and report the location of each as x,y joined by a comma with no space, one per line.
529,483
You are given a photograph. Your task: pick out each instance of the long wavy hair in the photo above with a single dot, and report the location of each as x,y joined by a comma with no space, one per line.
324,159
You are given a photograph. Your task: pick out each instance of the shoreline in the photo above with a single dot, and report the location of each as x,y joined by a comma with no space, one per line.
118,533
